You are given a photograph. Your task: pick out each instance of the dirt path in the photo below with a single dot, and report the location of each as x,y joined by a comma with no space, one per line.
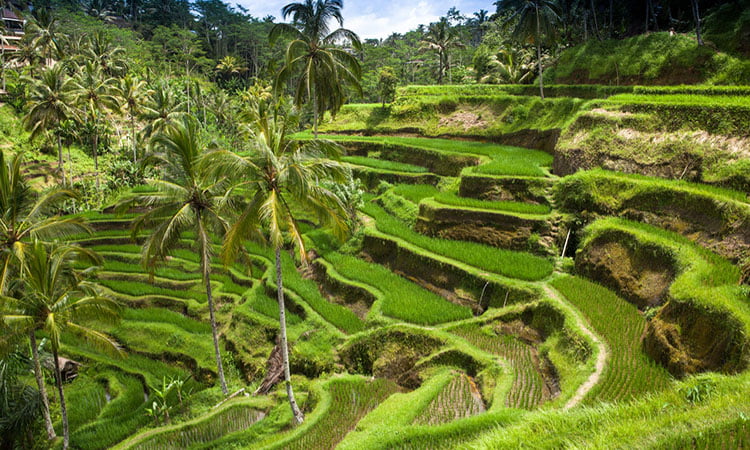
601,359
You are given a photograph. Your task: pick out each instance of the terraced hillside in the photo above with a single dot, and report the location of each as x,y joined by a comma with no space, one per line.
451,318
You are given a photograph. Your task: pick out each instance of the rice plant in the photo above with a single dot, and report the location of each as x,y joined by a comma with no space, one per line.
401,299
630,372
528,387
458,399
350,401
520,265
203,430
448,198
381,164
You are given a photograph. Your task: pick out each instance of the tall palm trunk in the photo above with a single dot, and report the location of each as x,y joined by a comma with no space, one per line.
440,68
697,18
95,150
63,407
206,268
539,53
315,115
60,162
596,22
132,136
70,172
42,388
298,416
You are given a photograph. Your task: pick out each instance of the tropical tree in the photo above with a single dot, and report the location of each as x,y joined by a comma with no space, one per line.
229,67
50,104
24,217
280,172
131,92
535,23
387,81
20,404
323,69
440,38
697,19
161,109
188,197
58,299
102,52
43,31
509,65
94,92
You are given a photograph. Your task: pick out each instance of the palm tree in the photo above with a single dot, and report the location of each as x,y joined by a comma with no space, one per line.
57,299
440,38
131,91
43,31
536,21
324,69
510,66
24,217
280,172
110,58
188,197
161,109
93,91
229,67
697,19
50,104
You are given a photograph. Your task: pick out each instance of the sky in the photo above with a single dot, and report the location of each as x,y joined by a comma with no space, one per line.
379,18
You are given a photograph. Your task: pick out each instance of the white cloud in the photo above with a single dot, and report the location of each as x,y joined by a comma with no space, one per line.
395,17
381,18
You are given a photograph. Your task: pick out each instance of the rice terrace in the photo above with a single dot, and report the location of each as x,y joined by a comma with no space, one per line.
318,225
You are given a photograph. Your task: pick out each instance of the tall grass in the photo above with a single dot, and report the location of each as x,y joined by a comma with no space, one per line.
523,266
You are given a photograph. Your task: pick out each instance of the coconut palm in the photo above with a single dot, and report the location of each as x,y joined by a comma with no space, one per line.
58,299
187,198
20,404
535,23
229,67
440,38
50,104
131,92
323,69
101,51
94,92
43,31
509,66
277,173
26,216
161,109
